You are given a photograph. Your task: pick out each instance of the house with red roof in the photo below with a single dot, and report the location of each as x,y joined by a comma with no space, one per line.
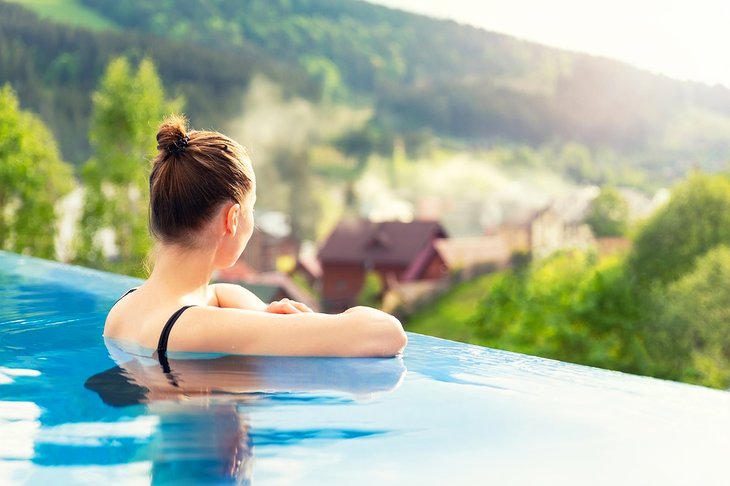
397,251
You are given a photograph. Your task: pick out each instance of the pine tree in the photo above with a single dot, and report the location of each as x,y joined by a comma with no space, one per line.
127,108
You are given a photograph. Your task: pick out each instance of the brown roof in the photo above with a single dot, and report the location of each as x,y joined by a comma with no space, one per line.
385,243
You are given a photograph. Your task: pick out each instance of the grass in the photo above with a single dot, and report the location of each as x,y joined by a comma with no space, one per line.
451,316
69,12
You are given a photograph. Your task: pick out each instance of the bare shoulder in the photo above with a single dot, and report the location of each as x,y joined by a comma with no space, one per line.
139,317
112,319
118,314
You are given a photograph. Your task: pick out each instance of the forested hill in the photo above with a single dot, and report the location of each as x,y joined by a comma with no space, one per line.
450,78
427,75
54,69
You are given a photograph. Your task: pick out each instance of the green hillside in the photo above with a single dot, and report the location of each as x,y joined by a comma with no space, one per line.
55,67
69,12
459,81
423,77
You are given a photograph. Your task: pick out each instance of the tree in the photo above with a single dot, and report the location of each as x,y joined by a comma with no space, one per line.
127,108
568,307
32,178
360,144
327,75
294,165
696,219
608,214
696,311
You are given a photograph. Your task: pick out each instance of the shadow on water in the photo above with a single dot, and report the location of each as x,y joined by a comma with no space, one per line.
203,433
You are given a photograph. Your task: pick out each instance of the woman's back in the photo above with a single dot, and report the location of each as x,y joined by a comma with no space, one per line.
202,194
140,316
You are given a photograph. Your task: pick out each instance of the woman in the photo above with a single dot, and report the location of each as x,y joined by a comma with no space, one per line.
202,193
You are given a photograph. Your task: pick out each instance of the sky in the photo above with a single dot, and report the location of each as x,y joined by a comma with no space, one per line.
683,39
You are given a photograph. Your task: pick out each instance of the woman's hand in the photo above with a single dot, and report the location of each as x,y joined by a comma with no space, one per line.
286,306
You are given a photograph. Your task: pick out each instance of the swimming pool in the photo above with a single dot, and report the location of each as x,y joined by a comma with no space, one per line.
446,413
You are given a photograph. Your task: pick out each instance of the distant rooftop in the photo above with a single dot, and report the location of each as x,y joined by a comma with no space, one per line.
391,242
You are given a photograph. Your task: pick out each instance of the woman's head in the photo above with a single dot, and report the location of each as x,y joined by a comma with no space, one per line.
194,174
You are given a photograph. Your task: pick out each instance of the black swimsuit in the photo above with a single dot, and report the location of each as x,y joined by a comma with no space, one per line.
165,335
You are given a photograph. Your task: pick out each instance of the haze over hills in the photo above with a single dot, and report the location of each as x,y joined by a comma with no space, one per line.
680,39
423,77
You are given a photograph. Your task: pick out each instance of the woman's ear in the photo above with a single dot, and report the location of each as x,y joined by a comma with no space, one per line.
232,215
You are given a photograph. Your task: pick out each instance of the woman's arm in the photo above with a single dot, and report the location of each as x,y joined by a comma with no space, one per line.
237,297
358,332
234,296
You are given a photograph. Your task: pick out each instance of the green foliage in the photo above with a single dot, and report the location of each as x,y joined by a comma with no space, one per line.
32,179
577,162
359,144
568,307
327,75
371,294
128,107
452,316
571,307
363,142
458,81
54,67
660,311
295,166
608,214
696,219
696,312
422,76
68,12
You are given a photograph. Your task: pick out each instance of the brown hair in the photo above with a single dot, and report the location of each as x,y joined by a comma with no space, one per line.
193,173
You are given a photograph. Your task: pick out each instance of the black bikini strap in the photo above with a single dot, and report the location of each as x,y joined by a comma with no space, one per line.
126,294
165,336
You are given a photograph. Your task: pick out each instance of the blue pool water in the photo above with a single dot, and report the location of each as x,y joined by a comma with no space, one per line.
444,413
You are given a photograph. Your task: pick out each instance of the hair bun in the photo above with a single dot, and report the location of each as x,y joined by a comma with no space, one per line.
172,136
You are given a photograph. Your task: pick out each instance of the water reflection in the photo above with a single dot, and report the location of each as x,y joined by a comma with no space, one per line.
203,404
